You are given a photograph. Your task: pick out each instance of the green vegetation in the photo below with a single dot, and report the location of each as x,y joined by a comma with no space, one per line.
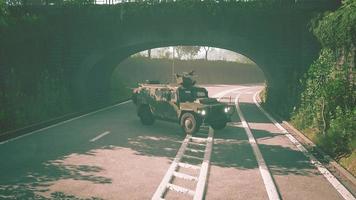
327,111
35,95
34,82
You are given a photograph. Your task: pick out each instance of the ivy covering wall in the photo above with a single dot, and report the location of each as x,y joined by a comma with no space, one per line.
327,112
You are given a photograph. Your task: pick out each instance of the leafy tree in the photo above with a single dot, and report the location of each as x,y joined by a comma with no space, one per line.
3,13
336,30
206,49
188,51
79,2
164,52
149,53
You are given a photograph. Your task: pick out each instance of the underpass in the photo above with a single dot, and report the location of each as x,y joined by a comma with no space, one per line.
108,154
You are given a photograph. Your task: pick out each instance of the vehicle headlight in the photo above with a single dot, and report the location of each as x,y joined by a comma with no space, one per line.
227,109
202,112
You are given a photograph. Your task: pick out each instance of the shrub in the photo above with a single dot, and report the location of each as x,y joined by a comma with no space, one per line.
340,139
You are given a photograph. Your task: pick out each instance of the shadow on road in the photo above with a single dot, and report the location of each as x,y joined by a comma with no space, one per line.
235,151
253,114
26,174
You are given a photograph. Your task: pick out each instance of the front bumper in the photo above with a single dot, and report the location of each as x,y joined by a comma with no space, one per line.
216,118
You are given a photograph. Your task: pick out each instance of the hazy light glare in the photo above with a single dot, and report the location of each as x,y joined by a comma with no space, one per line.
214,54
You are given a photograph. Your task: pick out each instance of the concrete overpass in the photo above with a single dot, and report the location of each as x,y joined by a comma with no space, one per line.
88,42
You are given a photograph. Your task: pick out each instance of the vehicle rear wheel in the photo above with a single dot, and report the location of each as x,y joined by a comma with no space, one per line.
145,114
218,125
189,123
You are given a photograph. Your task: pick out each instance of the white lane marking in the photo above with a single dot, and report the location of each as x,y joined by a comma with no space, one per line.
325,172
270,186
223,93
99,136
63,122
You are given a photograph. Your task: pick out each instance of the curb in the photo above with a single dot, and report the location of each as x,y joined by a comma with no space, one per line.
7,135
347,178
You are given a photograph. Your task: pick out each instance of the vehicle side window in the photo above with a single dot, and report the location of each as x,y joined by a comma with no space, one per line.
158,93
173,96
163,95
166,95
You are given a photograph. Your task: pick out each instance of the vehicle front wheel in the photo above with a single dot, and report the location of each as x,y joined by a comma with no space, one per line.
145,114
189,123
218,125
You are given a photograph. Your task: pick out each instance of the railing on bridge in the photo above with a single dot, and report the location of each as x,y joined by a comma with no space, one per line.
113,2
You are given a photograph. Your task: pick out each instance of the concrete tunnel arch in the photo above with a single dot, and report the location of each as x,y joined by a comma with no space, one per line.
97,69
277,40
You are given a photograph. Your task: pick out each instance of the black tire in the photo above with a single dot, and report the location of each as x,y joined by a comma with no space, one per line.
218,125
189,123
145,114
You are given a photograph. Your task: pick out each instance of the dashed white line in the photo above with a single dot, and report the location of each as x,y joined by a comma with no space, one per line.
63,122
270,186
325,172
99,136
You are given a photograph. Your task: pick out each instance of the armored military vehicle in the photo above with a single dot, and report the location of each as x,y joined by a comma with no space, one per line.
182,102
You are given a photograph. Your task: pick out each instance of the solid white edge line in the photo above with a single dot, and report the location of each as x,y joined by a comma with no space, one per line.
270,186
343,191
99,136
63,122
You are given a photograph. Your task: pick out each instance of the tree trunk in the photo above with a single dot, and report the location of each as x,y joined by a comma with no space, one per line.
323,117
206,52
351,71
149,53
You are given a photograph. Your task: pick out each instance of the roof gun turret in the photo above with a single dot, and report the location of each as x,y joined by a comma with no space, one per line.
186,79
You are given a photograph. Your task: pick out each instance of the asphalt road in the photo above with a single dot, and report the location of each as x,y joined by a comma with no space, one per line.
110,155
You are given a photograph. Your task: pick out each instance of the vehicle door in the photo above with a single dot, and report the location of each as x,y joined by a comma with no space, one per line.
172,112
164,107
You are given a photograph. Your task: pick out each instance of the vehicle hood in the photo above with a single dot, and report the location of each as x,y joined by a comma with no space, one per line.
208,101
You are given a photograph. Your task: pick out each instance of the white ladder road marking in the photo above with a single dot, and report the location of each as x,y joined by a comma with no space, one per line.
64,122
99,136
270,186
200,190
172,172
325,172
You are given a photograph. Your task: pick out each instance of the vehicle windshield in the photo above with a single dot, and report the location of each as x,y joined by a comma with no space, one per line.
192,94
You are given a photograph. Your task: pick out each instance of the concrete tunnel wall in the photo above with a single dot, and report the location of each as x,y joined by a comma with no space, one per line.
98,38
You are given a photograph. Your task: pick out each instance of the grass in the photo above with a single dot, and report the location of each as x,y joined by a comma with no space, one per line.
348,162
